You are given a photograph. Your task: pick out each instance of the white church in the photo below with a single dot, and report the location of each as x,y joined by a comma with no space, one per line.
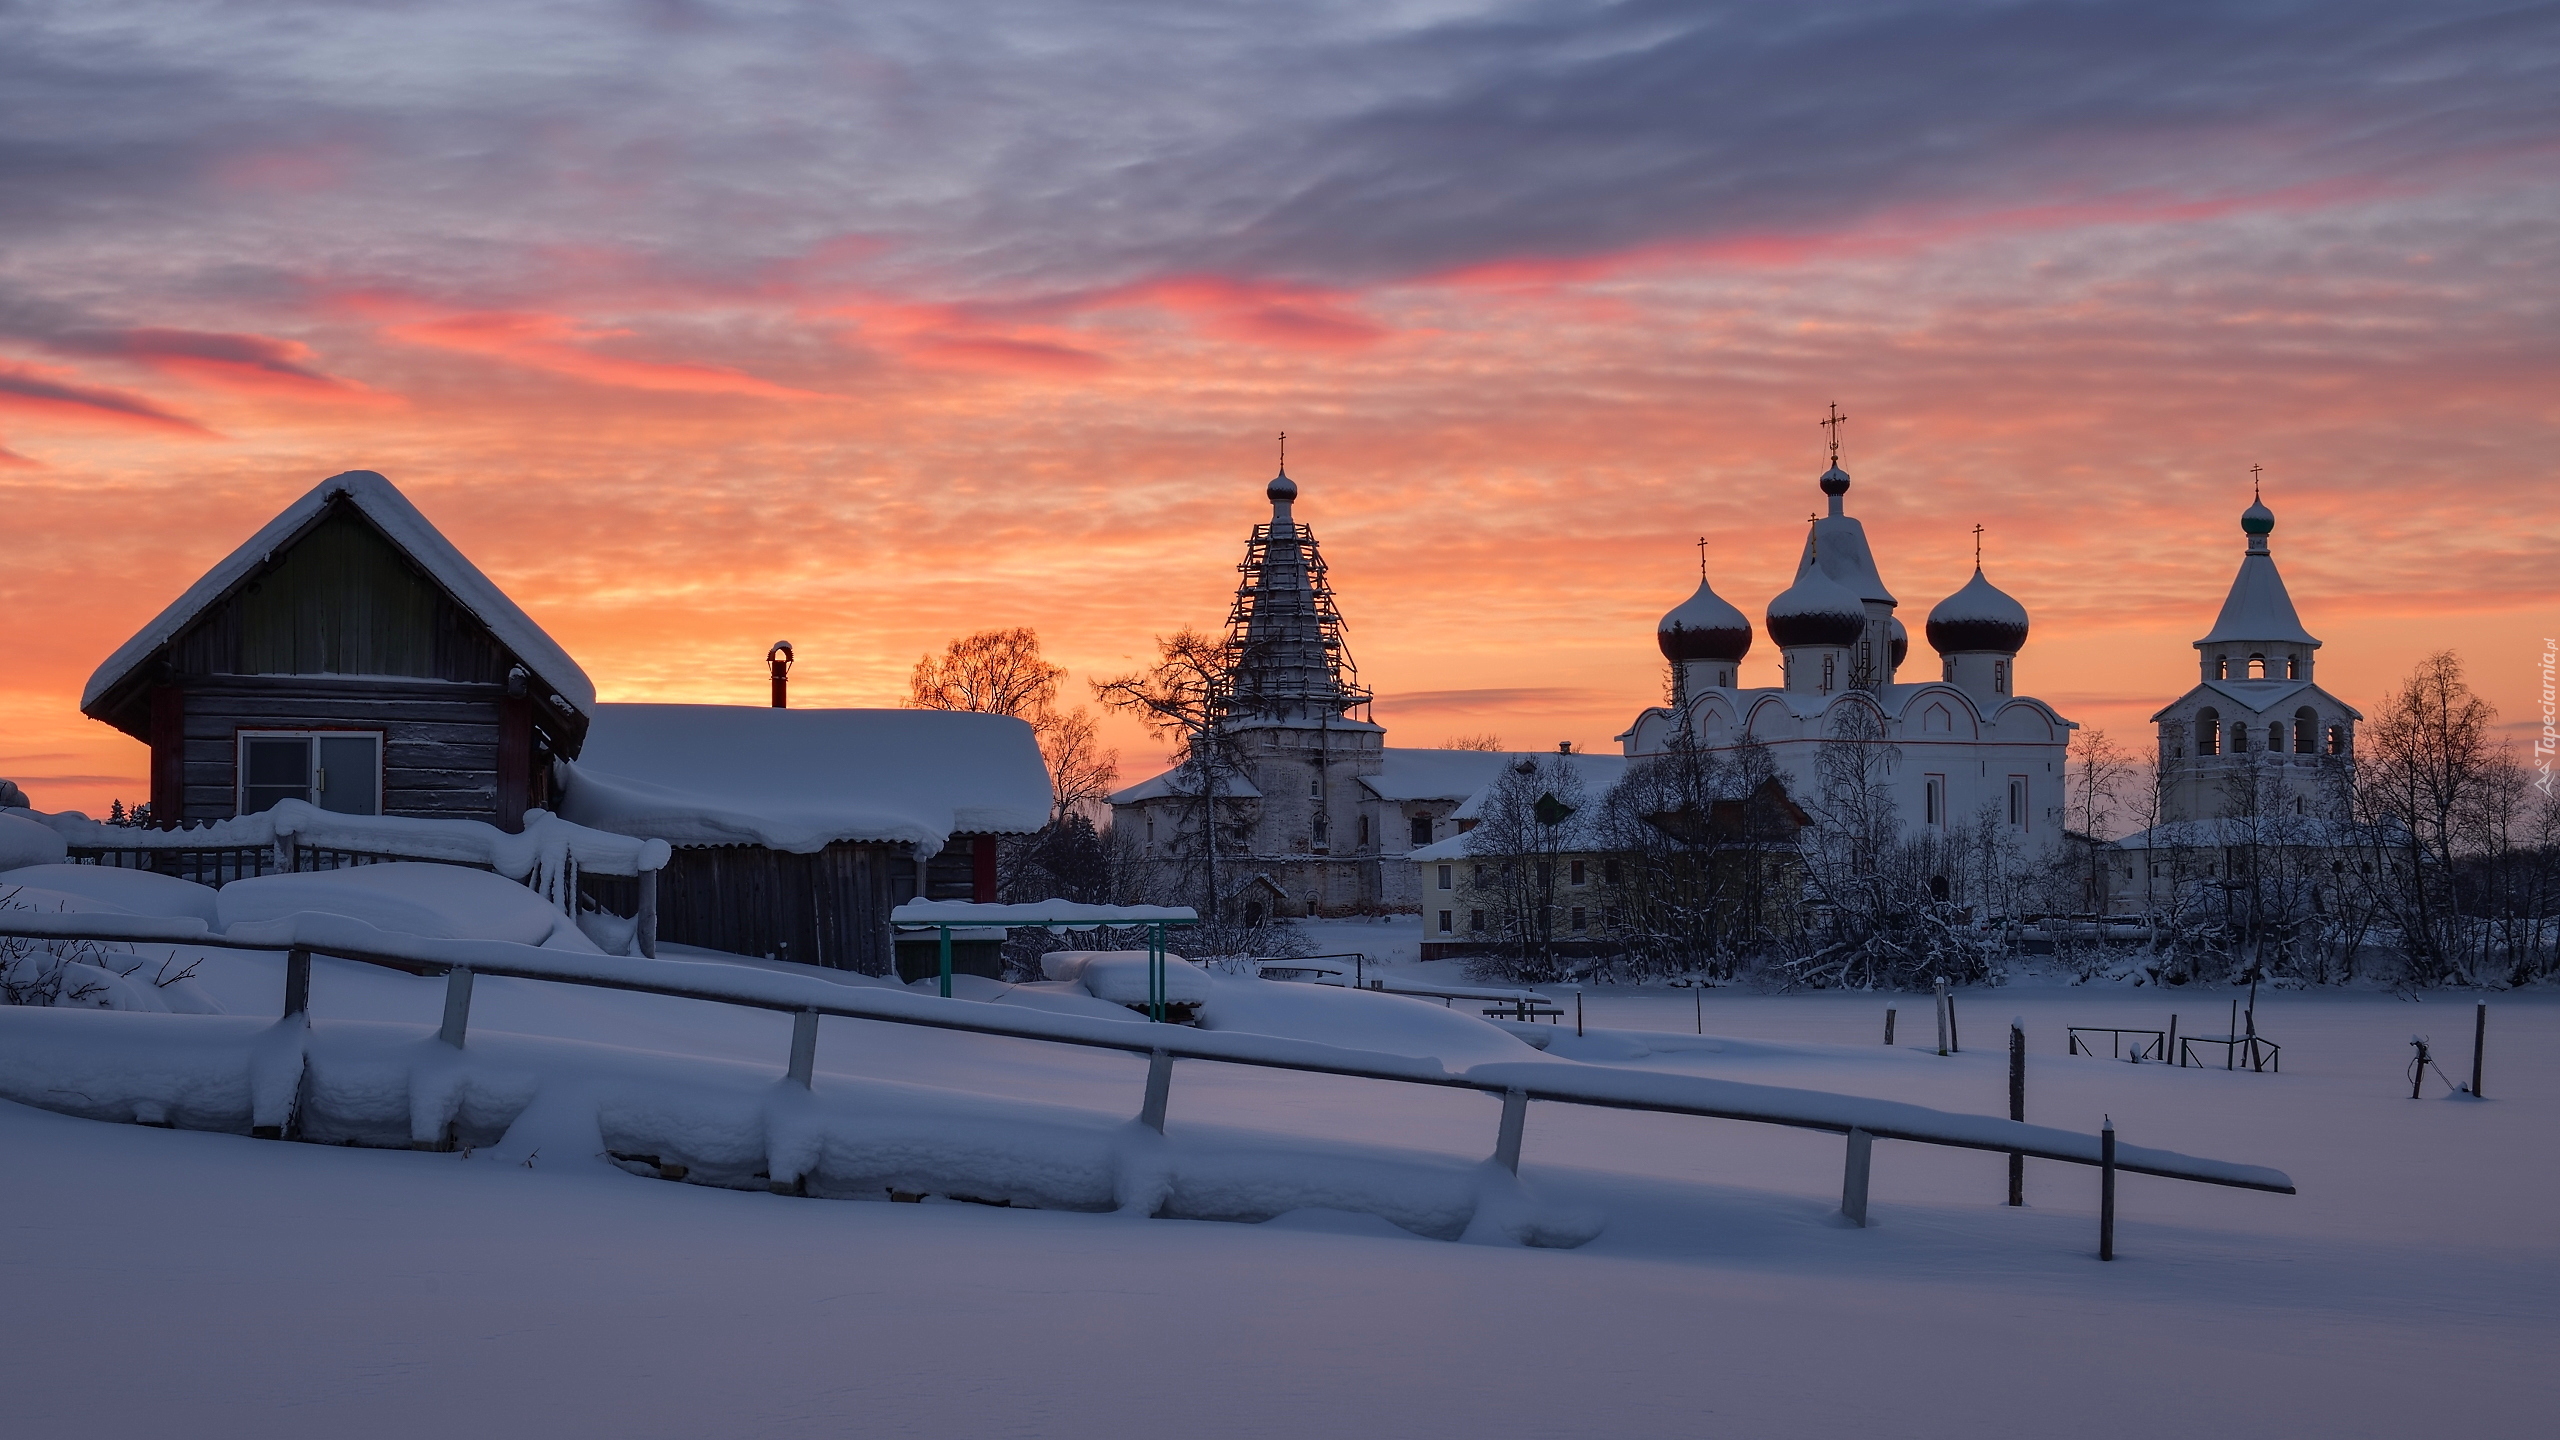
1966,740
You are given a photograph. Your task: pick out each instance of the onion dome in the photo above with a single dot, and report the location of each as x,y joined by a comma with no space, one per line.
2257,519
1704,627
1835,481
1981,616
1282,489
1901,642
1816,610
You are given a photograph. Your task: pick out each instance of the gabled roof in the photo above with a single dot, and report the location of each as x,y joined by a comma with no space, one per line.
800,780
2258,607
399,521
2259,697
1181,780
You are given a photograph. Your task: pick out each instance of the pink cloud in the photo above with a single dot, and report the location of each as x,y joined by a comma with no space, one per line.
28,388
556,343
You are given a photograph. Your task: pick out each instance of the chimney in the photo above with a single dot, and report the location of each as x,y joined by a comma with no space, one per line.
779,657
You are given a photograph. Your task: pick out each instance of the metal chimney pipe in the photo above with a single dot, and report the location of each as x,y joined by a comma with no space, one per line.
779,657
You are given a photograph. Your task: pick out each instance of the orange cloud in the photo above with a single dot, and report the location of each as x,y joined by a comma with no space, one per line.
229,359
26,387
556,343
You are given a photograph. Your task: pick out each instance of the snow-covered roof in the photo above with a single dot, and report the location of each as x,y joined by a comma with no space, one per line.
2259,697
800,780
383,504
1433,774
1181,780
2258,607
1060,914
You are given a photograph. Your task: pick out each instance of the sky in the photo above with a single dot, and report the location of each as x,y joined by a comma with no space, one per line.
699,325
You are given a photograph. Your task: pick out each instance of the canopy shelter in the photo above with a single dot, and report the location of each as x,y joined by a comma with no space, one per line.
945,916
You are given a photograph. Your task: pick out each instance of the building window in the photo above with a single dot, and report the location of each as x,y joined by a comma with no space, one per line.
1364,832
1999,677
2337,739
2293,667
1315,784
1475,920
2239,739
1933,800
1578,877
1609,871
2018,801
1479,881
1826,674
1578,922
1444,881
1947,670
2275,738
1546,874
338,770
2208,732
2257,667
1421,829
1444,922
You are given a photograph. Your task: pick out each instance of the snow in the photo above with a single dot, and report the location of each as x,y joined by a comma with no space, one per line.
542,855
1180,781
386,507
410,897
801,780
1120,976
1409,774
26,842
307,1290
118,891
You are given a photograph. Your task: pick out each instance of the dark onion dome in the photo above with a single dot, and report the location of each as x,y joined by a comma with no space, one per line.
1282,489
1980,616
1704,627
1835,481
1816,610
1901,641
2257,519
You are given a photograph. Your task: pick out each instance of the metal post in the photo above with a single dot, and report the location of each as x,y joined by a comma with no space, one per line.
1888,1024
946,961
457,1005
804,1047
1577,1014
1853,1177
2017,1108
1698,997
1159,1087
297,983
1515,1118
644,921
2107,1191
1955,1042
1155,973
2479,1038
1939,1002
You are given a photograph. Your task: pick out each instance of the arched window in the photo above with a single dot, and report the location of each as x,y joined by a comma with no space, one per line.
2293,667
2306,731
2239,739
2337,739
2222,667
1826,674
2257,667
2275,738
2208,732
1999,677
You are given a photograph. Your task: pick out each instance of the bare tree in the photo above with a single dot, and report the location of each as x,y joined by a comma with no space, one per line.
1487,741
994,672
2098,772
1526,825
2420,770
1080,769
1185,697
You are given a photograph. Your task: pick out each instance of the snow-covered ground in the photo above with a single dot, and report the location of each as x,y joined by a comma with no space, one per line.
201,1283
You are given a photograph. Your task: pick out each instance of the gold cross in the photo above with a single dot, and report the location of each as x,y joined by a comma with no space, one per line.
1702,559
1833,425
1977,547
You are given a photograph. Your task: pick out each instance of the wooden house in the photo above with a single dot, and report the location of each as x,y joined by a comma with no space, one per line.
349,656
795,831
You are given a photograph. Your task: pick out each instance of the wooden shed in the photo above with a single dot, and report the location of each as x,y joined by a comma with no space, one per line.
349,656
795,831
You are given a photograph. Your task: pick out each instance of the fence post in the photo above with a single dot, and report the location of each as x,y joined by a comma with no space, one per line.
1955,1042
457,1005
1577,1014
1940,1001
804,1047
2479,1037
1515,1118
1159,1088
1853,1177
297,983
1888,1024
2107,1191
2017,1107
644,926
2173,1054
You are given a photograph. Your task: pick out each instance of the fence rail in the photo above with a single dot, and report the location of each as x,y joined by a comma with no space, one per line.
1861,1121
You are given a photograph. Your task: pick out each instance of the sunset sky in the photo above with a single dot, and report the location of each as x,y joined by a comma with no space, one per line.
699,325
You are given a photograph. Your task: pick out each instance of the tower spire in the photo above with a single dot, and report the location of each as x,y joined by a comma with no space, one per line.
1285,644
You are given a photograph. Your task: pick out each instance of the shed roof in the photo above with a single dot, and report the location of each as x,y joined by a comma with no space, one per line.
800,780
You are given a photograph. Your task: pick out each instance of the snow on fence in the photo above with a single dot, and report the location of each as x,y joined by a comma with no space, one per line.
548,857
1860,1120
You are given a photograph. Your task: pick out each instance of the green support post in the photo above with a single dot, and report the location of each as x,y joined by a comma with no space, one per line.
946,961
1155,972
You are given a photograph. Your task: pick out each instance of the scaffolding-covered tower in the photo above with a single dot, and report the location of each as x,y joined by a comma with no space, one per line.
1286,656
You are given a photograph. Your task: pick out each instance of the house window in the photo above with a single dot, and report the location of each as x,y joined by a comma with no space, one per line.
1609,871
1444,881
1475,920
2018,801
1421,829
1577,918
1933,800
1578,877
1479,881
1444,922
338,770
